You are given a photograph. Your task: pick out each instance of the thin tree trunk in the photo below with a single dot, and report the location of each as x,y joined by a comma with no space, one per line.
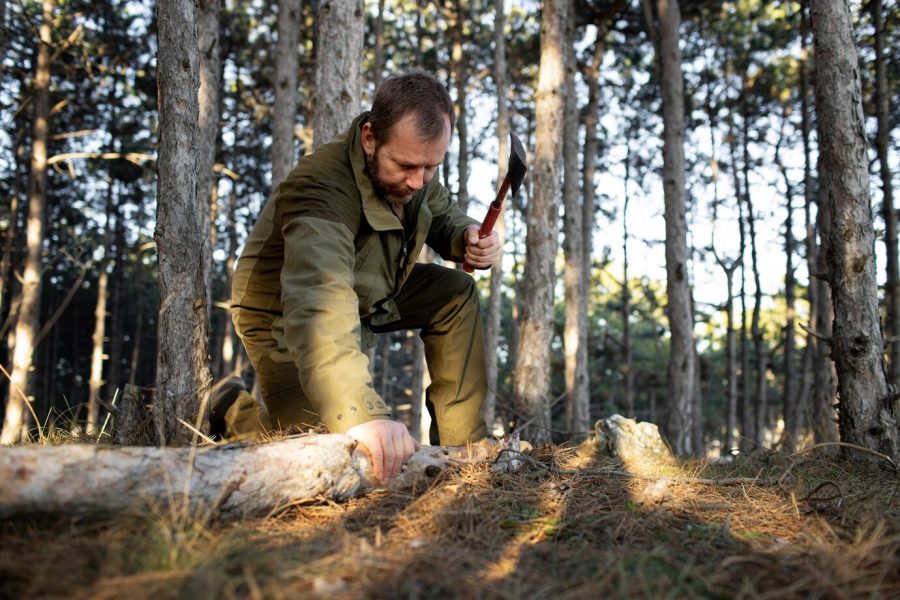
492,335
181,232
95,382
882,146
114,309
228,353
15,423
418,390
578,397
681,321
811,351
756,329
285,110
378,67
790,402
532,383
461,77
627,367
208,121
341,28
869,412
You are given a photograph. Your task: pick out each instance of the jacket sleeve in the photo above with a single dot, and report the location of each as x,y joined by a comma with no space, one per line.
447,225
321,310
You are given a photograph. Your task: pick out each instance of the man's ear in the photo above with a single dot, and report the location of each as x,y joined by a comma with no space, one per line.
368,139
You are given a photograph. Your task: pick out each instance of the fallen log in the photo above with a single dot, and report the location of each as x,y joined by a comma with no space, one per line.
226,482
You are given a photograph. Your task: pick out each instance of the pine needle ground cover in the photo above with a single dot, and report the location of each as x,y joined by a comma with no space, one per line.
565,526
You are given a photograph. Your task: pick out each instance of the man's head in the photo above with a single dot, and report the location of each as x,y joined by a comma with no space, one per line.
407,134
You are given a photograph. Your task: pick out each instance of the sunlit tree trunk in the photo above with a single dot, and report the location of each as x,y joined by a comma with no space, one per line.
627,368
339,52
532,384
227,353
495,303
95,382
868,411
285,110
882,146
575,331
17,417
181,234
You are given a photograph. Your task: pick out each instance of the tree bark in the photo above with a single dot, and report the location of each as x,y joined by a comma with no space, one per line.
341,25
181,233
882,147
756,330
95,382
378,67
627,368
868,410
790,401
461,80
15,423
575,331
681,320
284,113
208,123
225,482
532,384
495,303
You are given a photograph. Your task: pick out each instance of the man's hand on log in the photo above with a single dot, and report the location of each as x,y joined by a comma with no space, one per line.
388,444
482,253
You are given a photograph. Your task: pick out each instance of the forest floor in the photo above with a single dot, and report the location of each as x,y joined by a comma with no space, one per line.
565,526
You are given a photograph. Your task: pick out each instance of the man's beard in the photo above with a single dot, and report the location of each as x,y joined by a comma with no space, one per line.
397,194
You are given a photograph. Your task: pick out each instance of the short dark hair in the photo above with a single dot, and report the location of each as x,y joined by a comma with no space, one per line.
413,92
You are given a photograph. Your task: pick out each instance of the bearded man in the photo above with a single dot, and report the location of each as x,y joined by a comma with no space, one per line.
331,261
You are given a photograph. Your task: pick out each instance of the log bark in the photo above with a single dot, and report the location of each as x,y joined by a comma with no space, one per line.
221,482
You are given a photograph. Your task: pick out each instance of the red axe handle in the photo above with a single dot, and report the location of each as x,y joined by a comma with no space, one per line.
487,226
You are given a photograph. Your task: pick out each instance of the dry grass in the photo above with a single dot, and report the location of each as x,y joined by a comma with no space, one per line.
565,527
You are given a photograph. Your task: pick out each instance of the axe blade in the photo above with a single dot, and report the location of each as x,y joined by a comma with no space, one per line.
518,163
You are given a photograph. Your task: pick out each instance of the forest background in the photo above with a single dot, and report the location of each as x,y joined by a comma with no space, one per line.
757,323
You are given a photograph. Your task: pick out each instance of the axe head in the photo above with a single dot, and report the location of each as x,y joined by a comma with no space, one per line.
518,164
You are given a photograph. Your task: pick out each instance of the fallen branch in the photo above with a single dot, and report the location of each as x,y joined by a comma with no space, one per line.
228,481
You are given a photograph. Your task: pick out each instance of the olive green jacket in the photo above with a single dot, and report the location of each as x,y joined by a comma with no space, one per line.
325,258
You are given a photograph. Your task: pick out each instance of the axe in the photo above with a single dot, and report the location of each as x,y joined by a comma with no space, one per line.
515,173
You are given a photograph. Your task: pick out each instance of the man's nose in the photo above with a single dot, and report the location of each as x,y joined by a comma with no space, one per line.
416,179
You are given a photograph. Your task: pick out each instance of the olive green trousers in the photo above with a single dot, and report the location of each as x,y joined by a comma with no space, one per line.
441,302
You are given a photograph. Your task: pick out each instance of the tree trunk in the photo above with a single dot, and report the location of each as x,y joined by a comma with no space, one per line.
882,146
228,362
811,351
461,80
418,391
284,114
495,303
575,332
181,233
341,25
790,402
756,330
868,411
378,67
681,320
532,384
208,122
15,423
95,382
627,368
115,309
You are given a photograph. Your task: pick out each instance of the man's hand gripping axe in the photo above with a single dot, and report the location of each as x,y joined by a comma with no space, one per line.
515,173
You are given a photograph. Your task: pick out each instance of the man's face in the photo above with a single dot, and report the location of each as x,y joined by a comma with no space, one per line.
406,162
